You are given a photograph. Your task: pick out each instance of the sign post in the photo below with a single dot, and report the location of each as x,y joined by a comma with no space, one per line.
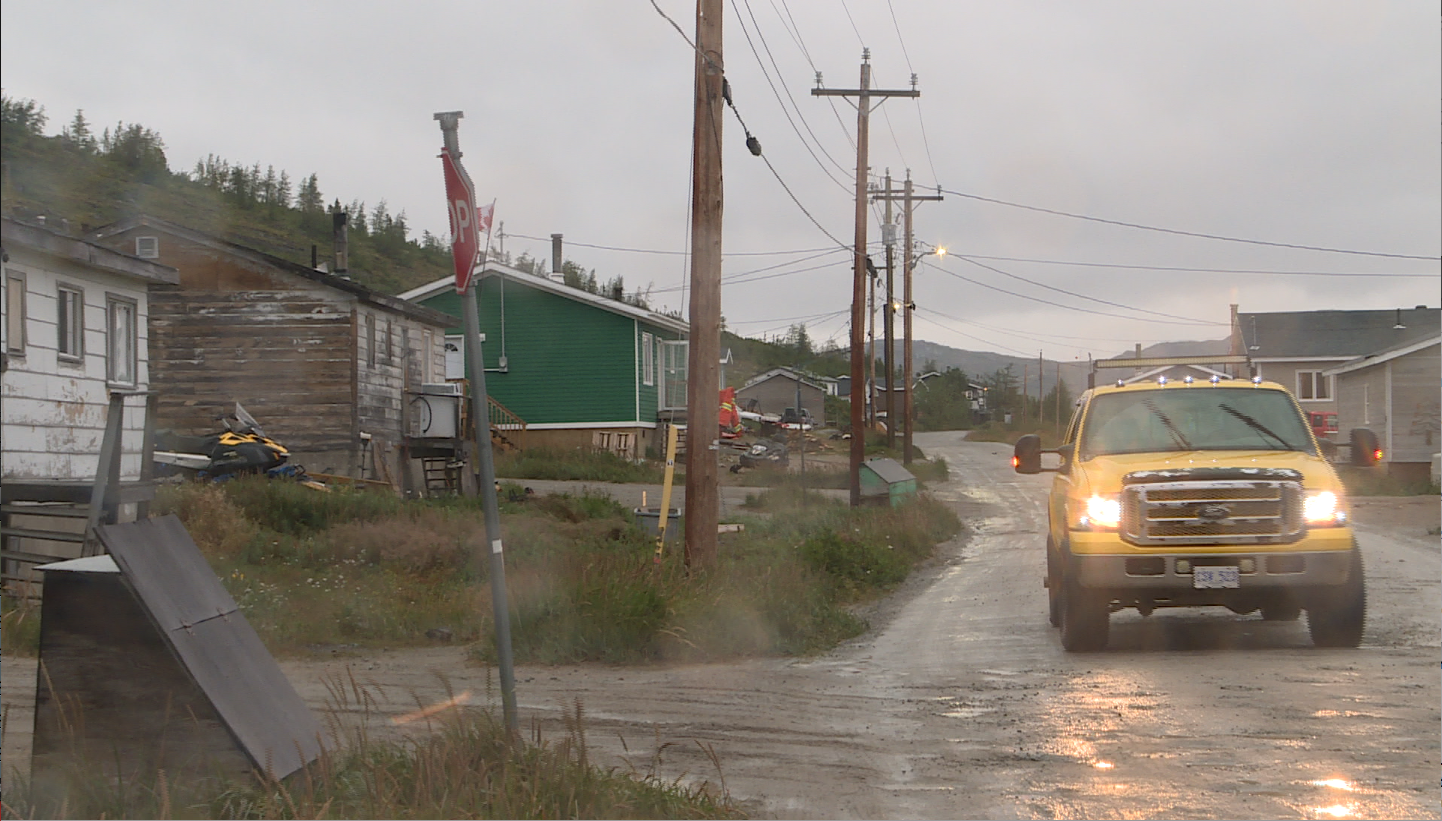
465,249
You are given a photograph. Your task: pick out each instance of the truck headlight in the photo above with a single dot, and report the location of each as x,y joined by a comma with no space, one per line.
1322,508
1103,512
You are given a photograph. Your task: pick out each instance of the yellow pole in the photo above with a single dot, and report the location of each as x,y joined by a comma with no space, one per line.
671,435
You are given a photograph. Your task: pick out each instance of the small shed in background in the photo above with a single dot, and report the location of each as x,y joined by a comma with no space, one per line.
885,481
147,664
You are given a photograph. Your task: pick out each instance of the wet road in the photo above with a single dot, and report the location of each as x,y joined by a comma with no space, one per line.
962,704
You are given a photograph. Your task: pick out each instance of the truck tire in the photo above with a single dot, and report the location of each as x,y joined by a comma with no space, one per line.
1085,619
1336,616
1053,586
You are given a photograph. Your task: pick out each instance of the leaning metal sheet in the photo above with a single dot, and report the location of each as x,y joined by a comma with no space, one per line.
252,695
215,643
167,570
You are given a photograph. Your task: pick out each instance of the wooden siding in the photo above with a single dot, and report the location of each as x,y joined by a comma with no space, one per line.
568,362
53,414
292,350
779,393
1409,432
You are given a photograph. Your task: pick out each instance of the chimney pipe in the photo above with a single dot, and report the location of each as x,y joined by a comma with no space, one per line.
314,256
341,233
1139,350
557,268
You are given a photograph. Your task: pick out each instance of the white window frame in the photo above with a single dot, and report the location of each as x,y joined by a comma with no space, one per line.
69,323
648,358
390,349
1312,380
16,297
428,355
147,247
122,340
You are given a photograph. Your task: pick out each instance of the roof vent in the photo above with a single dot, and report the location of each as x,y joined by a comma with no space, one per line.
147,247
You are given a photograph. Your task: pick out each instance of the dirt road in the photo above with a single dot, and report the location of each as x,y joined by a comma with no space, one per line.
962,704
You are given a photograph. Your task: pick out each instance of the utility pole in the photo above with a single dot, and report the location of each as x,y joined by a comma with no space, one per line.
909,197
888,237
863,96
871,341
704,352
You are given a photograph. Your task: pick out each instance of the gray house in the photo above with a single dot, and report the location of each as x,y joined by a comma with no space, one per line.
1299,348
1394,392
776,390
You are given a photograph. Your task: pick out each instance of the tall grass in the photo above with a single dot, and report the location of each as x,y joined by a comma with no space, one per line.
583,584
460,764
580,465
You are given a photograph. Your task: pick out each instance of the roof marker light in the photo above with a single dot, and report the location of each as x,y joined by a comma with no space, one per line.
1120,383
1188,380
1256,380
1216,379
1161,380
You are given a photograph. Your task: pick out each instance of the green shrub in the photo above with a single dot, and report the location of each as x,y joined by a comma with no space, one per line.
854,561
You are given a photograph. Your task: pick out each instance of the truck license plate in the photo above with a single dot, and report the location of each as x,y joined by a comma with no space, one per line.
1215,577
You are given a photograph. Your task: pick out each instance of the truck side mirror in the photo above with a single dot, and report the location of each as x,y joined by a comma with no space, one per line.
1026,456
1366,450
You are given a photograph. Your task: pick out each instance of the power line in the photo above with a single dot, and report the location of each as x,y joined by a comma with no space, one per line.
678,253
1266,272
1179,232
921,122
1058,304
969,336
1073,293
777,94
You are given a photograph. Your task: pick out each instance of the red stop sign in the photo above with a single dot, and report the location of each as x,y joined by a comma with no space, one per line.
465,227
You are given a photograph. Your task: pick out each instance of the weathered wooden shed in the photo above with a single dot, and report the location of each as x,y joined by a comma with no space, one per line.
317,358
777,389
147,664
886,482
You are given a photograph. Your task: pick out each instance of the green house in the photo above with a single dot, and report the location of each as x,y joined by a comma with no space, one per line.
579,369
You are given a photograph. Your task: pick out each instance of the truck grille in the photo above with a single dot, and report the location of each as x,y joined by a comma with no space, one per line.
1226,512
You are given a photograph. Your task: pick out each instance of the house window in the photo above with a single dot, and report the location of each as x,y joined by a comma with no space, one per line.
371,340
70,323
648,359
15,315
147,247
121,340
390,342
1312,385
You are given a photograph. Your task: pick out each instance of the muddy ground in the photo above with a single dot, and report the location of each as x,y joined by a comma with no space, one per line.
960,702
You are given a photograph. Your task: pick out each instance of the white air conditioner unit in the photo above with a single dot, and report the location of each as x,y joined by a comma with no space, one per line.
441,389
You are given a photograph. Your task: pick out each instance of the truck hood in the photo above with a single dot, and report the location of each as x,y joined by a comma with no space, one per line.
1103,474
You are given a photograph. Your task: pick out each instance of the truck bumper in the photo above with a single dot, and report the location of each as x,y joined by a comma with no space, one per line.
1160,571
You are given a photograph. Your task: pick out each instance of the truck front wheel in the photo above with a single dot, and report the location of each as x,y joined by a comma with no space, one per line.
1336,615
1085,618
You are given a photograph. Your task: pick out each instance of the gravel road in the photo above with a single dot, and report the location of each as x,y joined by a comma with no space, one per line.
960,703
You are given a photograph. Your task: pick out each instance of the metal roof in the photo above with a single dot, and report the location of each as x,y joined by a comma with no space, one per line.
890,470
1334,334
211,637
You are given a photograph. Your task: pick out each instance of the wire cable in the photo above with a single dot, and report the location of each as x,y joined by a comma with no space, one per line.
1267,272
1179,232
996,270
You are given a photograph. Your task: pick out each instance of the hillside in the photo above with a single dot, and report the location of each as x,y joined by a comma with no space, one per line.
79,180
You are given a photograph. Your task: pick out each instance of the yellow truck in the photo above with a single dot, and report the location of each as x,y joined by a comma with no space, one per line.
1198,492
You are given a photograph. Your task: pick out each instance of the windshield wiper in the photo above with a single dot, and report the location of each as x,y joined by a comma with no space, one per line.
1257,426
1171,428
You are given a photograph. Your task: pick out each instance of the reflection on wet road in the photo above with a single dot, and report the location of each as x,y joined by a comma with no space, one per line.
1188,713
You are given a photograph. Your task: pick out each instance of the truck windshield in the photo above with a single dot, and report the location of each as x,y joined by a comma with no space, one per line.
1186,419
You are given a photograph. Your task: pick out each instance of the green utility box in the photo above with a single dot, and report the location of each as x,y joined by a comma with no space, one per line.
885,481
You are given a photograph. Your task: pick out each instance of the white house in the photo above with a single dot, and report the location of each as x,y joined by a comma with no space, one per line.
73,329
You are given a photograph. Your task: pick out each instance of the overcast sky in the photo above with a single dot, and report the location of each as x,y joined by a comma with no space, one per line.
1301,123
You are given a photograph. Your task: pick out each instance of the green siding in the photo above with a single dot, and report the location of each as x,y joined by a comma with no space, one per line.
568,362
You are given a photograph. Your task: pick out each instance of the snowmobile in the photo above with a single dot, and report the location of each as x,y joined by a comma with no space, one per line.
241,449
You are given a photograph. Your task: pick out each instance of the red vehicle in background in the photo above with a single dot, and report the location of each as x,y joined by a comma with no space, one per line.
1324,423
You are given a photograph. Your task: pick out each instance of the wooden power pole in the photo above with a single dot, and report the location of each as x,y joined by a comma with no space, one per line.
908,198
704,354
863,96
